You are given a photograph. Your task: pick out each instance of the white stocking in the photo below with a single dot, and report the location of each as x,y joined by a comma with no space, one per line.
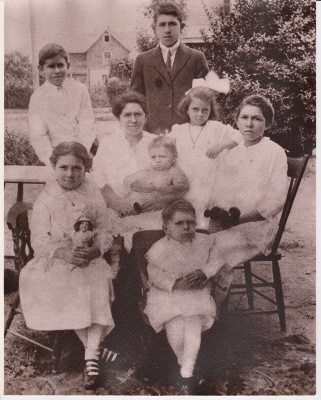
192,343
82,334
175,336
91,338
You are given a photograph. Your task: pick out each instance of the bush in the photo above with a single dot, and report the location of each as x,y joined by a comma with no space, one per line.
98,96
18,150
115,89
121,68
17,80
268,47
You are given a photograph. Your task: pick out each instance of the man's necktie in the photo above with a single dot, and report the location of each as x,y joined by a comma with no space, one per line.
169,61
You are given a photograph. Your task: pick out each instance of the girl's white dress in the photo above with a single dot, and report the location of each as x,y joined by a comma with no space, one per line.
56,295
169,260
116,160
192,144
253,179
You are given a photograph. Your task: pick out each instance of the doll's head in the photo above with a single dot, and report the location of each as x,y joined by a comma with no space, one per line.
179,221
83,224
199,105
162,152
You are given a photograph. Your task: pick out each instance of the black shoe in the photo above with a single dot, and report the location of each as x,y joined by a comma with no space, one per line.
91,374
187,386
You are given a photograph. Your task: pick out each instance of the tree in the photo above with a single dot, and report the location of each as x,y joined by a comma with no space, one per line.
145,37
17,80
268,47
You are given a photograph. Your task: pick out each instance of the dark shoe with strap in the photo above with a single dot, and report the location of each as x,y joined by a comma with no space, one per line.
91,374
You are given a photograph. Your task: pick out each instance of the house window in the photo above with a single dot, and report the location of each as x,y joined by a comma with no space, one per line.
105,78
106,37
106,58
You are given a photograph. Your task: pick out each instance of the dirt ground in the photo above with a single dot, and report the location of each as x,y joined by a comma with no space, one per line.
239,355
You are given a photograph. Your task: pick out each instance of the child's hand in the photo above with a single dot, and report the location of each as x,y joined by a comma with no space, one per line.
182,284
196,279
66,254
214,151
86,253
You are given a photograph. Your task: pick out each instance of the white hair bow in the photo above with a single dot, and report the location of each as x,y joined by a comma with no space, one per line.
212,81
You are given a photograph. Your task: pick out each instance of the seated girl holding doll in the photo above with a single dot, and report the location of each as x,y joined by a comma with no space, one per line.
68,284
179,299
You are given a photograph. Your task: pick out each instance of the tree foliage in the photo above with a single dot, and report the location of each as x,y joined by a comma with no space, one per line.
121,68
17,80
18,150
268,47
145,37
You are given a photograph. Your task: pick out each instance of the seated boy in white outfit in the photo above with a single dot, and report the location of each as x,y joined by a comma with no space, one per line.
60,110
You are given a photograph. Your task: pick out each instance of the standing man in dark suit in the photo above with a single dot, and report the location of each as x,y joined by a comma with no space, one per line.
165,73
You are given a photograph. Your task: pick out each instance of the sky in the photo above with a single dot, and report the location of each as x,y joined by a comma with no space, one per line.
51,16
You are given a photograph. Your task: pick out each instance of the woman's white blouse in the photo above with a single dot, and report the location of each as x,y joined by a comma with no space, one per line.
252,178
115,160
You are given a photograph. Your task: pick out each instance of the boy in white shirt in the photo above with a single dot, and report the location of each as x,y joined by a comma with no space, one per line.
60,110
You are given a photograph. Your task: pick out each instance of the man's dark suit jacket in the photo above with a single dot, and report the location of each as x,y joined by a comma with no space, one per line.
163,91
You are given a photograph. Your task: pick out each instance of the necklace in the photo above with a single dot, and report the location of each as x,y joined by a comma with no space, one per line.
190,133
71,200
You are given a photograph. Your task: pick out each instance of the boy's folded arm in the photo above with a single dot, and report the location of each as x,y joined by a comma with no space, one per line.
160,278
39,138
87,123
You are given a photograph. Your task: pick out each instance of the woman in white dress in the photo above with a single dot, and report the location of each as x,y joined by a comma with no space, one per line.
252,177
121,154
65,287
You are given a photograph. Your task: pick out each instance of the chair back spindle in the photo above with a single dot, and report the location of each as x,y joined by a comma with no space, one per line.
296,168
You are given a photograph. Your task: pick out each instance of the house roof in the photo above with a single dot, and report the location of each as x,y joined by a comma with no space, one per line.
81,42
197,19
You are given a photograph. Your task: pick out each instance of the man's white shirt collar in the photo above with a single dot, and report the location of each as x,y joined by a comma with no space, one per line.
173,50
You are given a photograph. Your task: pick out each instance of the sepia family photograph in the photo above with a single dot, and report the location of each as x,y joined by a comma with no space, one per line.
159,198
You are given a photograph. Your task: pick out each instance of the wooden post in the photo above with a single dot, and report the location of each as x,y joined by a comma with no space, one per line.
34,52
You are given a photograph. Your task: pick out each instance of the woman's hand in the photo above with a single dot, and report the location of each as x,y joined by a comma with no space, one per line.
124,207
214,151
66,254
157,203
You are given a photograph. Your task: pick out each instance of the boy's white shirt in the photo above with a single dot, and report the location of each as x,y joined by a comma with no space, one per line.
173,50
60,114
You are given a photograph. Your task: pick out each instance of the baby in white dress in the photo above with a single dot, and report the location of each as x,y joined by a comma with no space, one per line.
162,177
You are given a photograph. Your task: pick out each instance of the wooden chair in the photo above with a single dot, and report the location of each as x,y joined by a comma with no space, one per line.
143,240
296,168
17,221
